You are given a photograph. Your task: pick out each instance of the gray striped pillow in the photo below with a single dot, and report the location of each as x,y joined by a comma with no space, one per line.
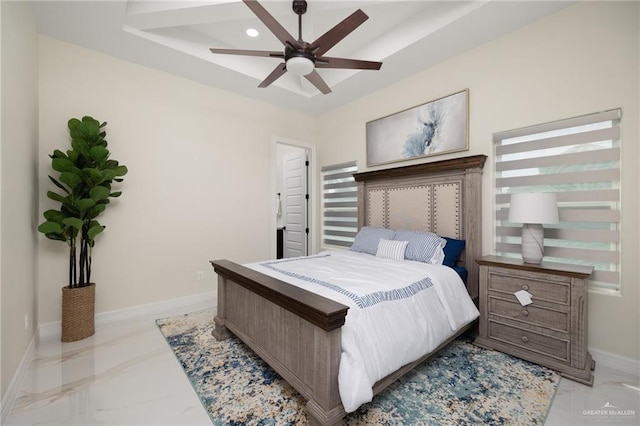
390,249
424,247
367,239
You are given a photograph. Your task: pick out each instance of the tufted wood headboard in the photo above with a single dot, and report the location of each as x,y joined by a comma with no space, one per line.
443,197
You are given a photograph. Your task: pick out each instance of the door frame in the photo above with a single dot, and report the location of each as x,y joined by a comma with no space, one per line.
311,185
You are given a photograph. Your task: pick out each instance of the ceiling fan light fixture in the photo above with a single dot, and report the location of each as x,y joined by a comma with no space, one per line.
300,65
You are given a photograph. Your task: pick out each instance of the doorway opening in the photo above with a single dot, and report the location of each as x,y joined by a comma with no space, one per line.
293,172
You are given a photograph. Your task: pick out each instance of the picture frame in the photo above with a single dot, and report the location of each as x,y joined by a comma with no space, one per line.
440,126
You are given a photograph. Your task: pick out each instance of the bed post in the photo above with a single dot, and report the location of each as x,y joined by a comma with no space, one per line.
326,406
220,332
473,224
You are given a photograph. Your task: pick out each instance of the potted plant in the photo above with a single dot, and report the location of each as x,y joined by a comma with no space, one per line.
86,174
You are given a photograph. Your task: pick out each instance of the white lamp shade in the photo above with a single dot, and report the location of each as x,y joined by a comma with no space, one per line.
534,207
299,65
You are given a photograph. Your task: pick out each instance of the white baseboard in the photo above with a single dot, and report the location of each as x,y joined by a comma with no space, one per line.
18,378
616,362
206,300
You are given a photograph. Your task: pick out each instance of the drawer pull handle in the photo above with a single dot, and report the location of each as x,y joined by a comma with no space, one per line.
525,313
525,339
525,287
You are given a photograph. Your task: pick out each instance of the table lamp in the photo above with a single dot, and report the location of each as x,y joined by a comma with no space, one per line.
532,209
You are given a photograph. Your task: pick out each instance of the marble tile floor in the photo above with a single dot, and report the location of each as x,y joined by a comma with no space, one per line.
126,375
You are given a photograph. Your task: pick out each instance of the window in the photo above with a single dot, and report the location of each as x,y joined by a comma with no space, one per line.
579,160
340,204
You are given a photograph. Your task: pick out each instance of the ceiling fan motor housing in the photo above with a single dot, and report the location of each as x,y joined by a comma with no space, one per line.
294,53
299,7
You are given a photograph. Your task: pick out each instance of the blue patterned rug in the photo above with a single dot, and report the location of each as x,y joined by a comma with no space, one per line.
462,385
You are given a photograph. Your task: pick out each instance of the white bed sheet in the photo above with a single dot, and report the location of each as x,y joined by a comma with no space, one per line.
398,311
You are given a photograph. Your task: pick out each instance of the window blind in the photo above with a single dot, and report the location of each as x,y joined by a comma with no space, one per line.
579,160
340,204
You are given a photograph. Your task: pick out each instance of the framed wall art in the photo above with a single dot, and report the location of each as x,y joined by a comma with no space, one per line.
437,127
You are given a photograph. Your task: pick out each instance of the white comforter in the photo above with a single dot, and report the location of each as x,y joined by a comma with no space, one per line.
398,311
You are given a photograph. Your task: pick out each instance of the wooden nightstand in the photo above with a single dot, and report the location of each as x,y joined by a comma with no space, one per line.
551,331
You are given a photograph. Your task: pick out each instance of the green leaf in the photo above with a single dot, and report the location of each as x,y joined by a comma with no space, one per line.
62,164
59,185
115,194
70,179
73,222
56,197
56,237
81,146
99,153
73,156
121,170
111,164
84,204
94,174
91,125
73,233
99,193
94,230
74,124
96,210
69,210
54,216
50,228
58,154
108,175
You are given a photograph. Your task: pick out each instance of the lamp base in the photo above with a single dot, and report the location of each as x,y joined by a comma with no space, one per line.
532,243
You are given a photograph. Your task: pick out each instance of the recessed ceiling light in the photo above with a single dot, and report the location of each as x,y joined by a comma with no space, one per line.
252,32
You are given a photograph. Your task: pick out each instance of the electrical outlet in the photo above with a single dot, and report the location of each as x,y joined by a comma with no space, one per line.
200,275
26,322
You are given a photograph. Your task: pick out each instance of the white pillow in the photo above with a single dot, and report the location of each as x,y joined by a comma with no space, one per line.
392,249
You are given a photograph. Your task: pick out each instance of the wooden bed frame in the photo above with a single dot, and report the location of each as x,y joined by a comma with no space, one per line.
298,333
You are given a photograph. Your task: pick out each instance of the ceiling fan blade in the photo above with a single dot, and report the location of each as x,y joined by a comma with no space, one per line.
337,33
275,74
315,79
270,22
264,53
356,64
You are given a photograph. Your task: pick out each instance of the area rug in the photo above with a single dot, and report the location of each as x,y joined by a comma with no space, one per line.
461,385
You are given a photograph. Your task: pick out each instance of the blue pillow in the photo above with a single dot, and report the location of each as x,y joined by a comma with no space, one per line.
452,251
368,237
423,246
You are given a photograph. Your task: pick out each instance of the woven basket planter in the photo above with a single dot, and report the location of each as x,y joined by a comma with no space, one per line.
78,312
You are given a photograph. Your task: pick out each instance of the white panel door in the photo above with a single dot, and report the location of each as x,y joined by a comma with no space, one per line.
295,204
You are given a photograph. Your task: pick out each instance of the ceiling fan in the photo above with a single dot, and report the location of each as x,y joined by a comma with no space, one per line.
302,58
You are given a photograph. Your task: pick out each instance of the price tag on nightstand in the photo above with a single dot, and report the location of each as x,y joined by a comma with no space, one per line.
524,297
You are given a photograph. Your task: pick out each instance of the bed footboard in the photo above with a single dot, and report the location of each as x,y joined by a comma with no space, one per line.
297,333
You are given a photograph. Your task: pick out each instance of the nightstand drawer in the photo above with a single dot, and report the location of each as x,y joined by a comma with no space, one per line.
542,289
530,314
530,340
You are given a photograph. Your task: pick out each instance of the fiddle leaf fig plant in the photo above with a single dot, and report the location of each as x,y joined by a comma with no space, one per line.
86,175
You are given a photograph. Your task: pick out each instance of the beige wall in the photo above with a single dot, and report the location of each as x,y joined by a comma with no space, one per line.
19,184
199,158
580,60
198,187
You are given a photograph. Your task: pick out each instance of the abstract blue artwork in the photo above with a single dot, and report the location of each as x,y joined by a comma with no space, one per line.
436,127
